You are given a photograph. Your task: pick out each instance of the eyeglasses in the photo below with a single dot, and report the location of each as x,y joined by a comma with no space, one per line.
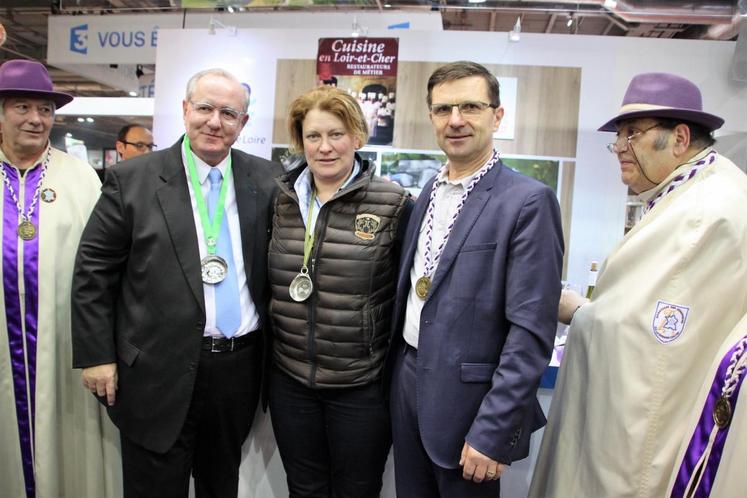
228,116
467,109
614,148
141,146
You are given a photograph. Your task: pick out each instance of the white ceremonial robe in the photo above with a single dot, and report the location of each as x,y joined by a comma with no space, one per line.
625,387
76,447
730,479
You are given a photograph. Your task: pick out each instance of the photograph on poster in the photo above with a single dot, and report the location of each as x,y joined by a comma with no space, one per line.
377,98
110,157
411,169
544,170
284,157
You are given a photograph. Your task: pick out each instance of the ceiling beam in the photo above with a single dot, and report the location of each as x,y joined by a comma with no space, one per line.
551,23
607,28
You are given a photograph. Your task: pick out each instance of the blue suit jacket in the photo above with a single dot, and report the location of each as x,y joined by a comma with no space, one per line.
488,324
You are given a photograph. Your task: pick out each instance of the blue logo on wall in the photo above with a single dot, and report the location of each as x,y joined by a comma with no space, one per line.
79,39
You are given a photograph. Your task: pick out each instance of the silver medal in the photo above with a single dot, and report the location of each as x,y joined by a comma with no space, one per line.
300,287
214,269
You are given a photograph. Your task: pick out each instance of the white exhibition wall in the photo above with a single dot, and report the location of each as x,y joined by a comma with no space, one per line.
607,64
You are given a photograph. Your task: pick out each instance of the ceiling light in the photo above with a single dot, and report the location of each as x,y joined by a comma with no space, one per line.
515,34
81,120
358,28
133,94
476,1
387,6
215,23
90,120
609,4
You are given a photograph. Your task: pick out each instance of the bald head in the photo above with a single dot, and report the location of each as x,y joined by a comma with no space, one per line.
133,141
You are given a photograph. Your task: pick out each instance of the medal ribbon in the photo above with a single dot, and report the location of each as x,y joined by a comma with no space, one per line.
309,235
210,229
431,260
20,263
703,453
680,179
26,214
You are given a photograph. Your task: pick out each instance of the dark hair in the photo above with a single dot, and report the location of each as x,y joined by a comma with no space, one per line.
464,69
122,135
700,136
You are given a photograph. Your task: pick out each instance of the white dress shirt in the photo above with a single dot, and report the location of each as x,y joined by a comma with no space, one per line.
249,315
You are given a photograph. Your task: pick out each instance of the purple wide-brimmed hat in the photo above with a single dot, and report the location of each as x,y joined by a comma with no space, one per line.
663,95
24,78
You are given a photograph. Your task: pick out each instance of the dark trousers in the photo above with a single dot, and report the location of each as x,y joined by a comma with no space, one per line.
415,474
333,442
209,445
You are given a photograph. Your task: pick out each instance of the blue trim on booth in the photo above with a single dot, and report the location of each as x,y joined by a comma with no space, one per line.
549,378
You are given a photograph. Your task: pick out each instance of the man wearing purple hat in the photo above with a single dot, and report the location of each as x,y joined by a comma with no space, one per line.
665,299
54,439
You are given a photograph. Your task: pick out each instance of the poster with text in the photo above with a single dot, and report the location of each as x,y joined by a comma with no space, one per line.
366,68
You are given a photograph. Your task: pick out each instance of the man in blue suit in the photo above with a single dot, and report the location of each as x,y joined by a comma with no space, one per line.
477,301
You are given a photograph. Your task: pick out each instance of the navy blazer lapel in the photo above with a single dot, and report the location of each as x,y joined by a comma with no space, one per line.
246,204
411,237
173,197
465,221
407,256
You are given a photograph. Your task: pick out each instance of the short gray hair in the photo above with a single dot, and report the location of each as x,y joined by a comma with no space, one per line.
216,71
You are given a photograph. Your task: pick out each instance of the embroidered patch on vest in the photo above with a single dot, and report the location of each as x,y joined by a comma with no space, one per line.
48,195
366,226
669,321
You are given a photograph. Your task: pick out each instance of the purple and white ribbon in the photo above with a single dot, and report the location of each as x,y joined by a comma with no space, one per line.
679,180
21,286
431,259
697,472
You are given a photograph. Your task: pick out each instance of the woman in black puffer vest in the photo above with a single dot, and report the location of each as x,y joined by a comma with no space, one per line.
333,264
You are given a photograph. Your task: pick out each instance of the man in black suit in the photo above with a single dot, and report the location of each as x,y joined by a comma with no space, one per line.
169,298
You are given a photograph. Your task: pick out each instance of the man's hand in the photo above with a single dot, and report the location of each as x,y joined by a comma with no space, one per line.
570,301
101,380
478,467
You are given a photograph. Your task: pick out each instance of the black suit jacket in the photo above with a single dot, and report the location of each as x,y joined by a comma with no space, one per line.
137,290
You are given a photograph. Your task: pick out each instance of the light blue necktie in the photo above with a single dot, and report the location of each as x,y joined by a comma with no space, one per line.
227,307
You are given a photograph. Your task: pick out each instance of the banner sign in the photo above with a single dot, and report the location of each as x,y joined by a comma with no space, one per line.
116,39
132,38
367,69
